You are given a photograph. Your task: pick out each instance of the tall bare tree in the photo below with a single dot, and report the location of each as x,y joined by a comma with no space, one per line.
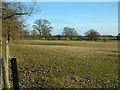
69,32
43,27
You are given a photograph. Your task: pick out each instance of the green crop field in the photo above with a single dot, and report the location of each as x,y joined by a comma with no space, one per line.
66,64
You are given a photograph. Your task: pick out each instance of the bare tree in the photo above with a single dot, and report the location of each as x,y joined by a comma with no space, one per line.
12,9
92,35
43,27
69,32
13,12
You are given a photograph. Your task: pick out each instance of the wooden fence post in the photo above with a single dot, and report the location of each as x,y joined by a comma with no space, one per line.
7,53
5,75
6,68
15,78
1,78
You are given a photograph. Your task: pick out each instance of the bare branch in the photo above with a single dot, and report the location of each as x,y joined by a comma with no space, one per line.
9,16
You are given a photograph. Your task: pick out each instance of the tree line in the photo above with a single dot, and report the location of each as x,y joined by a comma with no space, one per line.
14,27
44,28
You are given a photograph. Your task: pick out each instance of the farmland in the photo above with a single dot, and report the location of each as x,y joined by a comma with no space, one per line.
66,64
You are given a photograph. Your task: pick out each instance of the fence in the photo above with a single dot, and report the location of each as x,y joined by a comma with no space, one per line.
5,70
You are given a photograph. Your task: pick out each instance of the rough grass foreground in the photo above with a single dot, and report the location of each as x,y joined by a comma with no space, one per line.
62,64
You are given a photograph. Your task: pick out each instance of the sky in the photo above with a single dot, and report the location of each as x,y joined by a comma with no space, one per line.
83,16
61,0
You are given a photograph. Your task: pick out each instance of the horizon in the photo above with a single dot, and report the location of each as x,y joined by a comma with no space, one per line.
83,16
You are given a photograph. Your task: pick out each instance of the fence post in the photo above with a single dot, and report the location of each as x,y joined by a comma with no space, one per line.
5,75
7,53
15,78
6,68
1,78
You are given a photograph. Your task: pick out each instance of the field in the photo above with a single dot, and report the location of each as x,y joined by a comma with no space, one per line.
66,64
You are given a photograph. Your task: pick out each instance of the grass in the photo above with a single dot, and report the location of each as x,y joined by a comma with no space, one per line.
112,44
64,64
